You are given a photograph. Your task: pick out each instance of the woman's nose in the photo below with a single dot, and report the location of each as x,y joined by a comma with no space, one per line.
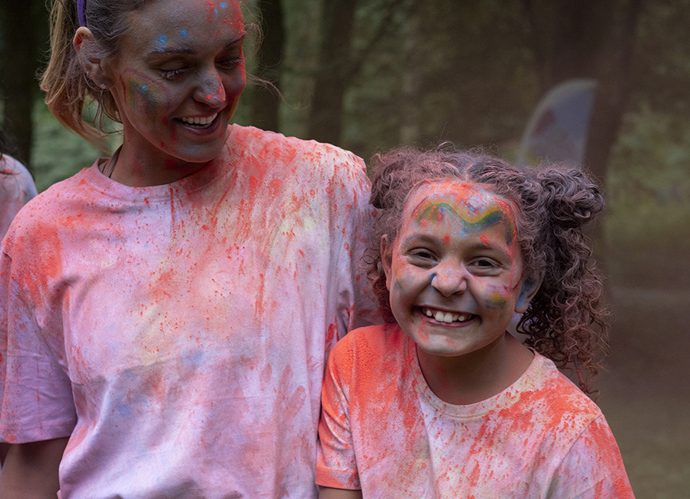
449,280
211,90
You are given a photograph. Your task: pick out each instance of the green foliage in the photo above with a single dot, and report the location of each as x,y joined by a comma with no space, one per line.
57,153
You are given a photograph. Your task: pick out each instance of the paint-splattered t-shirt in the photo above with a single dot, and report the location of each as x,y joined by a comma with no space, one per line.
16,189
383,430
179,332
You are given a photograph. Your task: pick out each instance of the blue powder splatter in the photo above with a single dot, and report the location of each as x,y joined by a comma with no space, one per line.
163,38
223,5
215,12
144,88
184,33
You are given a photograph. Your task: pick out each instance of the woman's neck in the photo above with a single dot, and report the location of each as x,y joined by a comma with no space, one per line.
477,376
136,170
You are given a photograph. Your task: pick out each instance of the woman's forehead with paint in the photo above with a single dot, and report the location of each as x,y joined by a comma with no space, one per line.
170,24
478,209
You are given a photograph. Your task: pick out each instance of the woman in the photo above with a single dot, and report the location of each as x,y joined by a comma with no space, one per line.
170,308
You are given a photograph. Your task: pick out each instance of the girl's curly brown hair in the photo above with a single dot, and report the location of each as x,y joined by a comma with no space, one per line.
564,321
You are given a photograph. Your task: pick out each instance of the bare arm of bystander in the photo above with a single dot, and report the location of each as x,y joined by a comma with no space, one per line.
331,493
31,470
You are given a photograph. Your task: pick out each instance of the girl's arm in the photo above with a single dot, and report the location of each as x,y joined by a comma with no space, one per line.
330,493
31,470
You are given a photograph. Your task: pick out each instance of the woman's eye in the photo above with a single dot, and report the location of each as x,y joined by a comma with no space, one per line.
171,74
230,62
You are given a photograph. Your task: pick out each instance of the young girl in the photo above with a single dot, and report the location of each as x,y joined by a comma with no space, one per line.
442,401
166,313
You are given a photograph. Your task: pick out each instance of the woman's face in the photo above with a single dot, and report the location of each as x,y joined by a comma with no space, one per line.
177,79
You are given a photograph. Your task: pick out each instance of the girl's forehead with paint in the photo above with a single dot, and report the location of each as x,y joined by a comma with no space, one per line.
454,201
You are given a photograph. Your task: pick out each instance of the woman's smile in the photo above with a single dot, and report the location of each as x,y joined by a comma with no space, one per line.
177,86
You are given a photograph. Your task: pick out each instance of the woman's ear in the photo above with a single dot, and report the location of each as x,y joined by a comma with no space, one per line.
386,259
89,57
529,287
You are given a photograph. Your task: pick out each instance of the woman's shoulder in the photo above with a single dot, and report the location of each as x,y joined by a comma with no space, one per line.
52,205
277,149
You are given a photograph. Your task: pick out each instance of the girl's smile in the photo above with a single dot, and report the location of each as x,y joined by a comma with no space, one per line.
177,79
455,271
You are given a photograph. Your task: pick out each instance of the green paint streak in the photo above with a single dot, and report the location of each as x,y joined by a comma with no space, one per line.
492,218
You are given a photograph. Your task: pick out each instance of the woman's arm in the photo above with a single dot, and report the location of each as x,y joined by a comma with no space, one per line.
31,470
330,493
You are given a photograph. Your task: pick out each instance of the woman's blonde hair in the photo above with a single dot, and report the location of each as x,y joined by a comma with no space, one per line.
67,85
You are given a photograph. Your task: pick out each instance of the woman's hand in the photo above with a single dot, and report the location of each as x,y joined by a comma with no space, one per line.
31,470
330,493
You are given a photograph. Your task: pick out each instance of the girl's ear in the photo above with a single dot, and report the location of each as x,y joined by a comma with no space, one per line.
88,54
386,259
528,289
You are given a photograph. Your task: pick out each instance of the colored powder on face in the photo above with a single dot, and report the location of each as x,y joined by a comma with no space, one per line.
163,38
184,33
223,5
493,217
484,239
496,300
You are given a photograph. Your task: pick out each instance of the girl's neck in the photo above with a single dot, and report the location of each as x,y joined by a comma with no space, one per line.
136,170
477,376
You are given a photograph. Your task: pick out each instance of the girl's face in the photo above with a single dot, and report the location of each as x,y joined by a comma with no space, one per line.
177,78
455,271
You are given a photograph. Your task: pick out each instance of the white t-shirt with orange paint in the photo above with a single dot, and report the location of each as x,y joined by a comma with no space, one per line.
16,189
179,332
383,430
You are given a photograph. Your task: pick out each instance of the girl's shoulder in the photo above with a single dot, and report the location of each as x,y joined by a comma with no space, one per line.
546,383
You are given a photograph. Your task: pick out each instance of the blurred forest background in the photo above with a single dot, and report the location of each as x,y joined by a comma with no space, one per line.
372,74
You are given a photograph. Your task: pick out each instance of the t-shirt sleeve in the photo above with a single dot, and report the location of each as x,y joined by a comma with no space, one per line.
593,467
36,401
336,465
359,306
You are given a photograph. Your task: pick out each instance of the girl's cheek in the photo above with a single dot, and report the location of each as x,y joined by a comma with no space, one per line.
497,297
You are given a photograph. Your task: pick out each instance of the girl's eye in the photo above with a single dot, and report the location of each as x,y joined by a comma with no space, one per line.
171,74
485,265
421,255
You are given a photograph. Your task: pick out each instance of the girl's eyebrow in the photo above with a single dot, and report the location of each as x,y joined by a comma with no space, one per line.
186,50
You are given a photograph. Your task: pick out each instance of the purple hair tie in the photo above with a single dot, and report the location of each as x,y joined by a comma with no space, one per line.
81,5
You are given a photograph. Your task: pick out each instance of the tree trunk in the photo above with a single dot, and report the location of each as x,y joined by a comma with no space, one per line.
326,116
615,80
265,111
19,75
411,98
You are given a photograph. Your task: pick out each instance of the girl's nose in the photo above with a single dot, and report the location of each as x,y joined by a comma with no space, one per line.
211,90
449,281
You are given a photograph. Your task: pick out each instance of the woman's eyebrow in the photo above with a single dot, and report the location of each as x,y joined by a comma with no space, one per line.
186,50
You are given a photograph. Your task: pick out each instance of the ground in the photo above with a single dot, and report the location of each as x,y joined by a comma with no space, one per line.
645,393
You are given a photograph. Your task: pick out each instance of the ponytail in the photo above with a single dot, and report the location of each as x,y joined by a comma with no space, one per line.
564,320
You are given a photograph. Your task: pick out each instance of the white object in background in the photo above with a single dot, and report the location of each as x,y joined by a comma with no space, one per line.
557,130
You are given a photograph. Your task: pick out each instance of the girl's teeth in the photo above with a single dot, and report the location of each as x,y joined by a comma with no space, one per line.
446,317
